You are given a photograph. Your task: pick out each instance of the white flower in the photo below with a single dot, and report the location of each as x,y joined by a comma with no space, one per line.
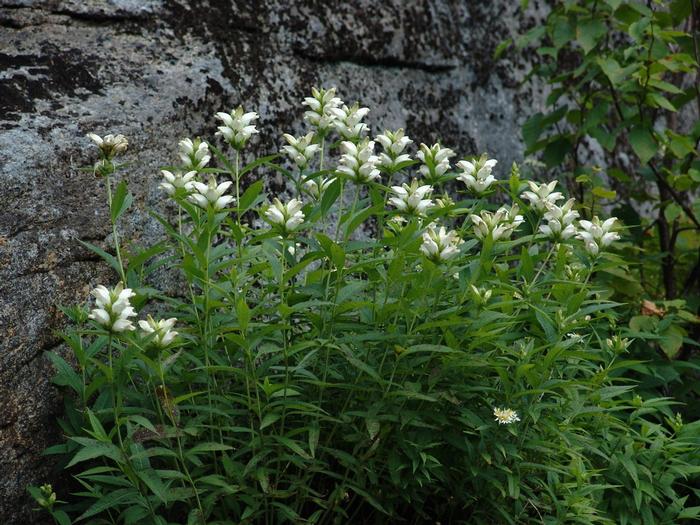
560,220
481,296
477,175
435,161
110,145
194,154
237,127
319,113
597,235
164,334
440,245
499,225
113,308
358,162
300,150
505,416
412,199
393,143
316,187
210,194
396,223
542,195
348,121
287,216
173,181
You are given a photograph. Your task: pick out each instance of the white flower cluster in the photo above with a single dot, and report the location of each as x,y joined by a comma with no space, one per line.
161,331
237,127
300,150
597,234
477,175
111,145
393,143
320,114
210,194
436,161
113,308
505,416
542,196
412,199
288,217
439,245
560,220
348,121
499,225
177,181
315,188
194,154
358,161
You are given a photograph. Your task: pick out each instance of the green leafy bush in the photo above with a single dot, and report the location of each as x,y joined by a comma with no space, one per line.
621,126
361,351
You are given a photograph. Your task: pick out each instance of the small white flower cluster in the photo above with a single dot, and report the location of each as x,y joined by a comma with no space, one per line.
597,234
210,194
412,199
477,175
499,225
436,161
237,127
348,121
315,188
113,308
542,196
320,114
300,150
560,220
113,311
194,154
288,217
393,143
439,245
177,181
505,416
358,161
111,145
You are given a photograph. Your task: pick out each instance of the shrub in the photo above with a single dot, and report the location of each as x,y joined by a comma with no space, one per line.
383,344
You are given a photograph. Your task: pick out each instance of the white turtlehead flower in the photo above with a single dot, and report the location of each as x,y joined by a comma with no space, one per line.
505,416
358,161
237,127
499,225
162,330
111,145
542,195
320,105
300,150
348,121
316,187
436,161
477,175
412,199
560,220
394,143
287,216
174,181
194,154
113,308
597,235
440,245
210,194
481,296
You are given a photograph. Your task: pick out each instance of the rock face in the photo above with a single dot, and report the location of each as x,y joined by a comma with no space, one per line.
157,71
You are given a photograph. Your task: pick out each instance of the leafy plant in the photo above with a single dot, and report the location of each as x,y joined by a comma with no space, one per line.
362,351
621,127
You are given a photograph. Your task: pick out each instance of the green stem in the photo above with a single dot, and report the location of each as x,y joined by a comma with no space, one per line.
117,250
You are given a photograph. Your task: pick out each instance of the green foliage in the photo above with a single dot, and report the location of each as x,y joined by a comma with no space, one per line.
623,78
322,375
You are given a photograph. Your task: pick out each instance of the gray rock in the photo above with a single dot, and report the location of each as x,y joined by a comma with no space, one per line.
157,71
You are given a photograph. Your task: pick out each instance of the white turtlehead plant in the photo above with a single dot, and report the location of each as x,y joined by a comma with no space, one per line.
113,308
435,161
110,145
316,187
161,330
358,162
560,221
597,234
499,225
440,245
412,199
319,114
300,150
542,195
175,181
476,175
194,154
348,121
237,126
394,143
210,194
285,216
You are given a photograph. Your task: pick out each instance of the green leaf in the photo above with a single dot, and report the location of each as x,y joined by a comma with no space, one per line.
603,193
643,144
612,70
65,375
659,101
556,151
248,199
110,259
110,500
672,212
589,32
243,313
121,201
92,448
